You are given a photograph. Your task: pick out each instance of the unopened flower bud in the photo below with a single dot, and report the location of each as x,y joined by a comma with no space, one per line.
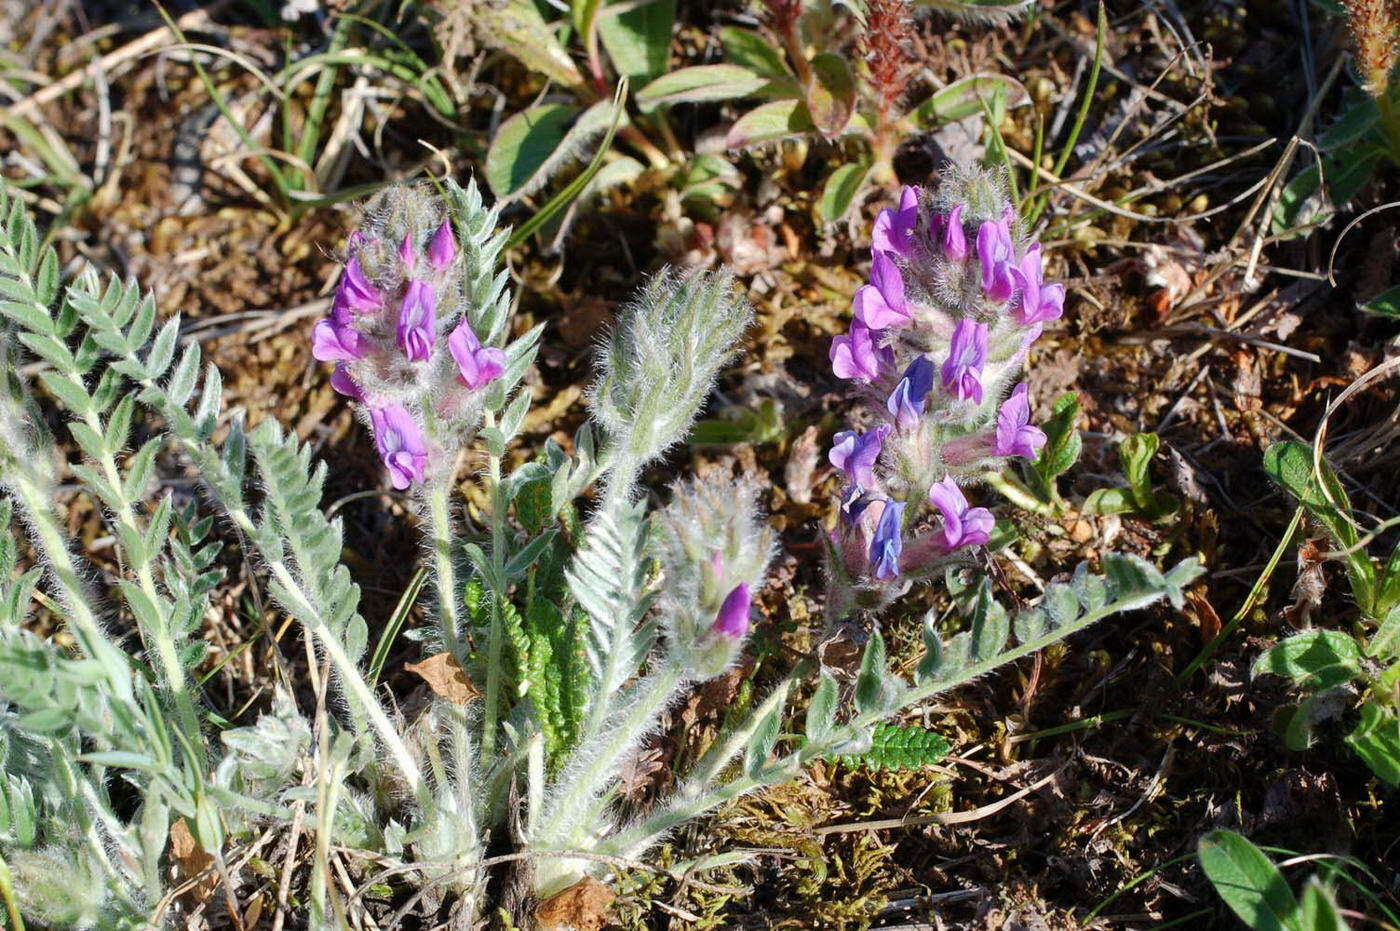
733,618
442,249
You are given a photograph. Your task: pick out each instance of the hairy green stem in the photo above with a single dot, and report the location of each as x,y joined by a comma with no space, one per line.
348,672
445,571
601,755
86,627
495,642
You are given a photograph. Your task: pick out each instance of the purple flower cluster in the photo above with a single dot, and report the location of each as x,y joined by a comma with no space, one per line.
956,297
390,307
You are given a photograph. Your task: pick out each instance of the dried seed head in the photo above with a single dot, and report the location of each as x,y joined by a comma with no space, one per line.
1375,34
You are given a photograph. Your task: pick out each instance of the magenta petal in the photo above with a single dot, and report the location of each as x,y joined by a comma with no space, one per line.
954,239
400,443
476,365
962,371
417,329
344,384
331,342
442,250
855,355
732,621
355,294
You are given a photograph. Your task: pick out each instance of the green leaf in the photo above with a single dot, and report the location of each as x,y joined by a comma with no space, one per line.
764,738
1248,882
1062,445
1385,642
870,682
1303,203
69,393
1376,740
1306,656
991,625
534,144
831,95
749,49
698,84
841,188
1386,304
1358,118
518,27
900,747
1291,465
1318,911
821,711
638,37
966,97
769,122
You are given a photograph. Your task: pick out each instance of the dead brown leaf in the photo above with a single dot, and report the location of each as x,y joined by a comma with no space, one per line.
190,860
581,907
446,677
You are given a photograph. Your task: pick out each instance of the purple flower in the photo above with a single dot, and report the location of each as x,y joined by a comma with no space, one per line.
476,365
996,256
442,250
894,227
854,501
354,294
856,355
408,256
856,453
947,232
887,544
1015,435
906,402
962,525
399,440
334,341
962,373
880,304
344,384
417,330
733,618
1039,301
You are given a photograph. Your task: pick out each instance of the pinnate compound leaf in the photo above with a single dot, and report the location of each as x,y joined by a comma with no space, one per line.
900,747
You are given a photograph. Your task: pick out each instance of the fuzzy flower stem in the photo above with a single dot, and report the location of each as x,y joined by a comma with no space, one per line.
445,572
349,675
603,752
86,627
496,637
687,805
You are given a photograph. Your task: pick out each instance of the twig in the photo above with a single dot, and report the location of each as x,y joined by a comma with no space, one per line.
951,817
134,49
